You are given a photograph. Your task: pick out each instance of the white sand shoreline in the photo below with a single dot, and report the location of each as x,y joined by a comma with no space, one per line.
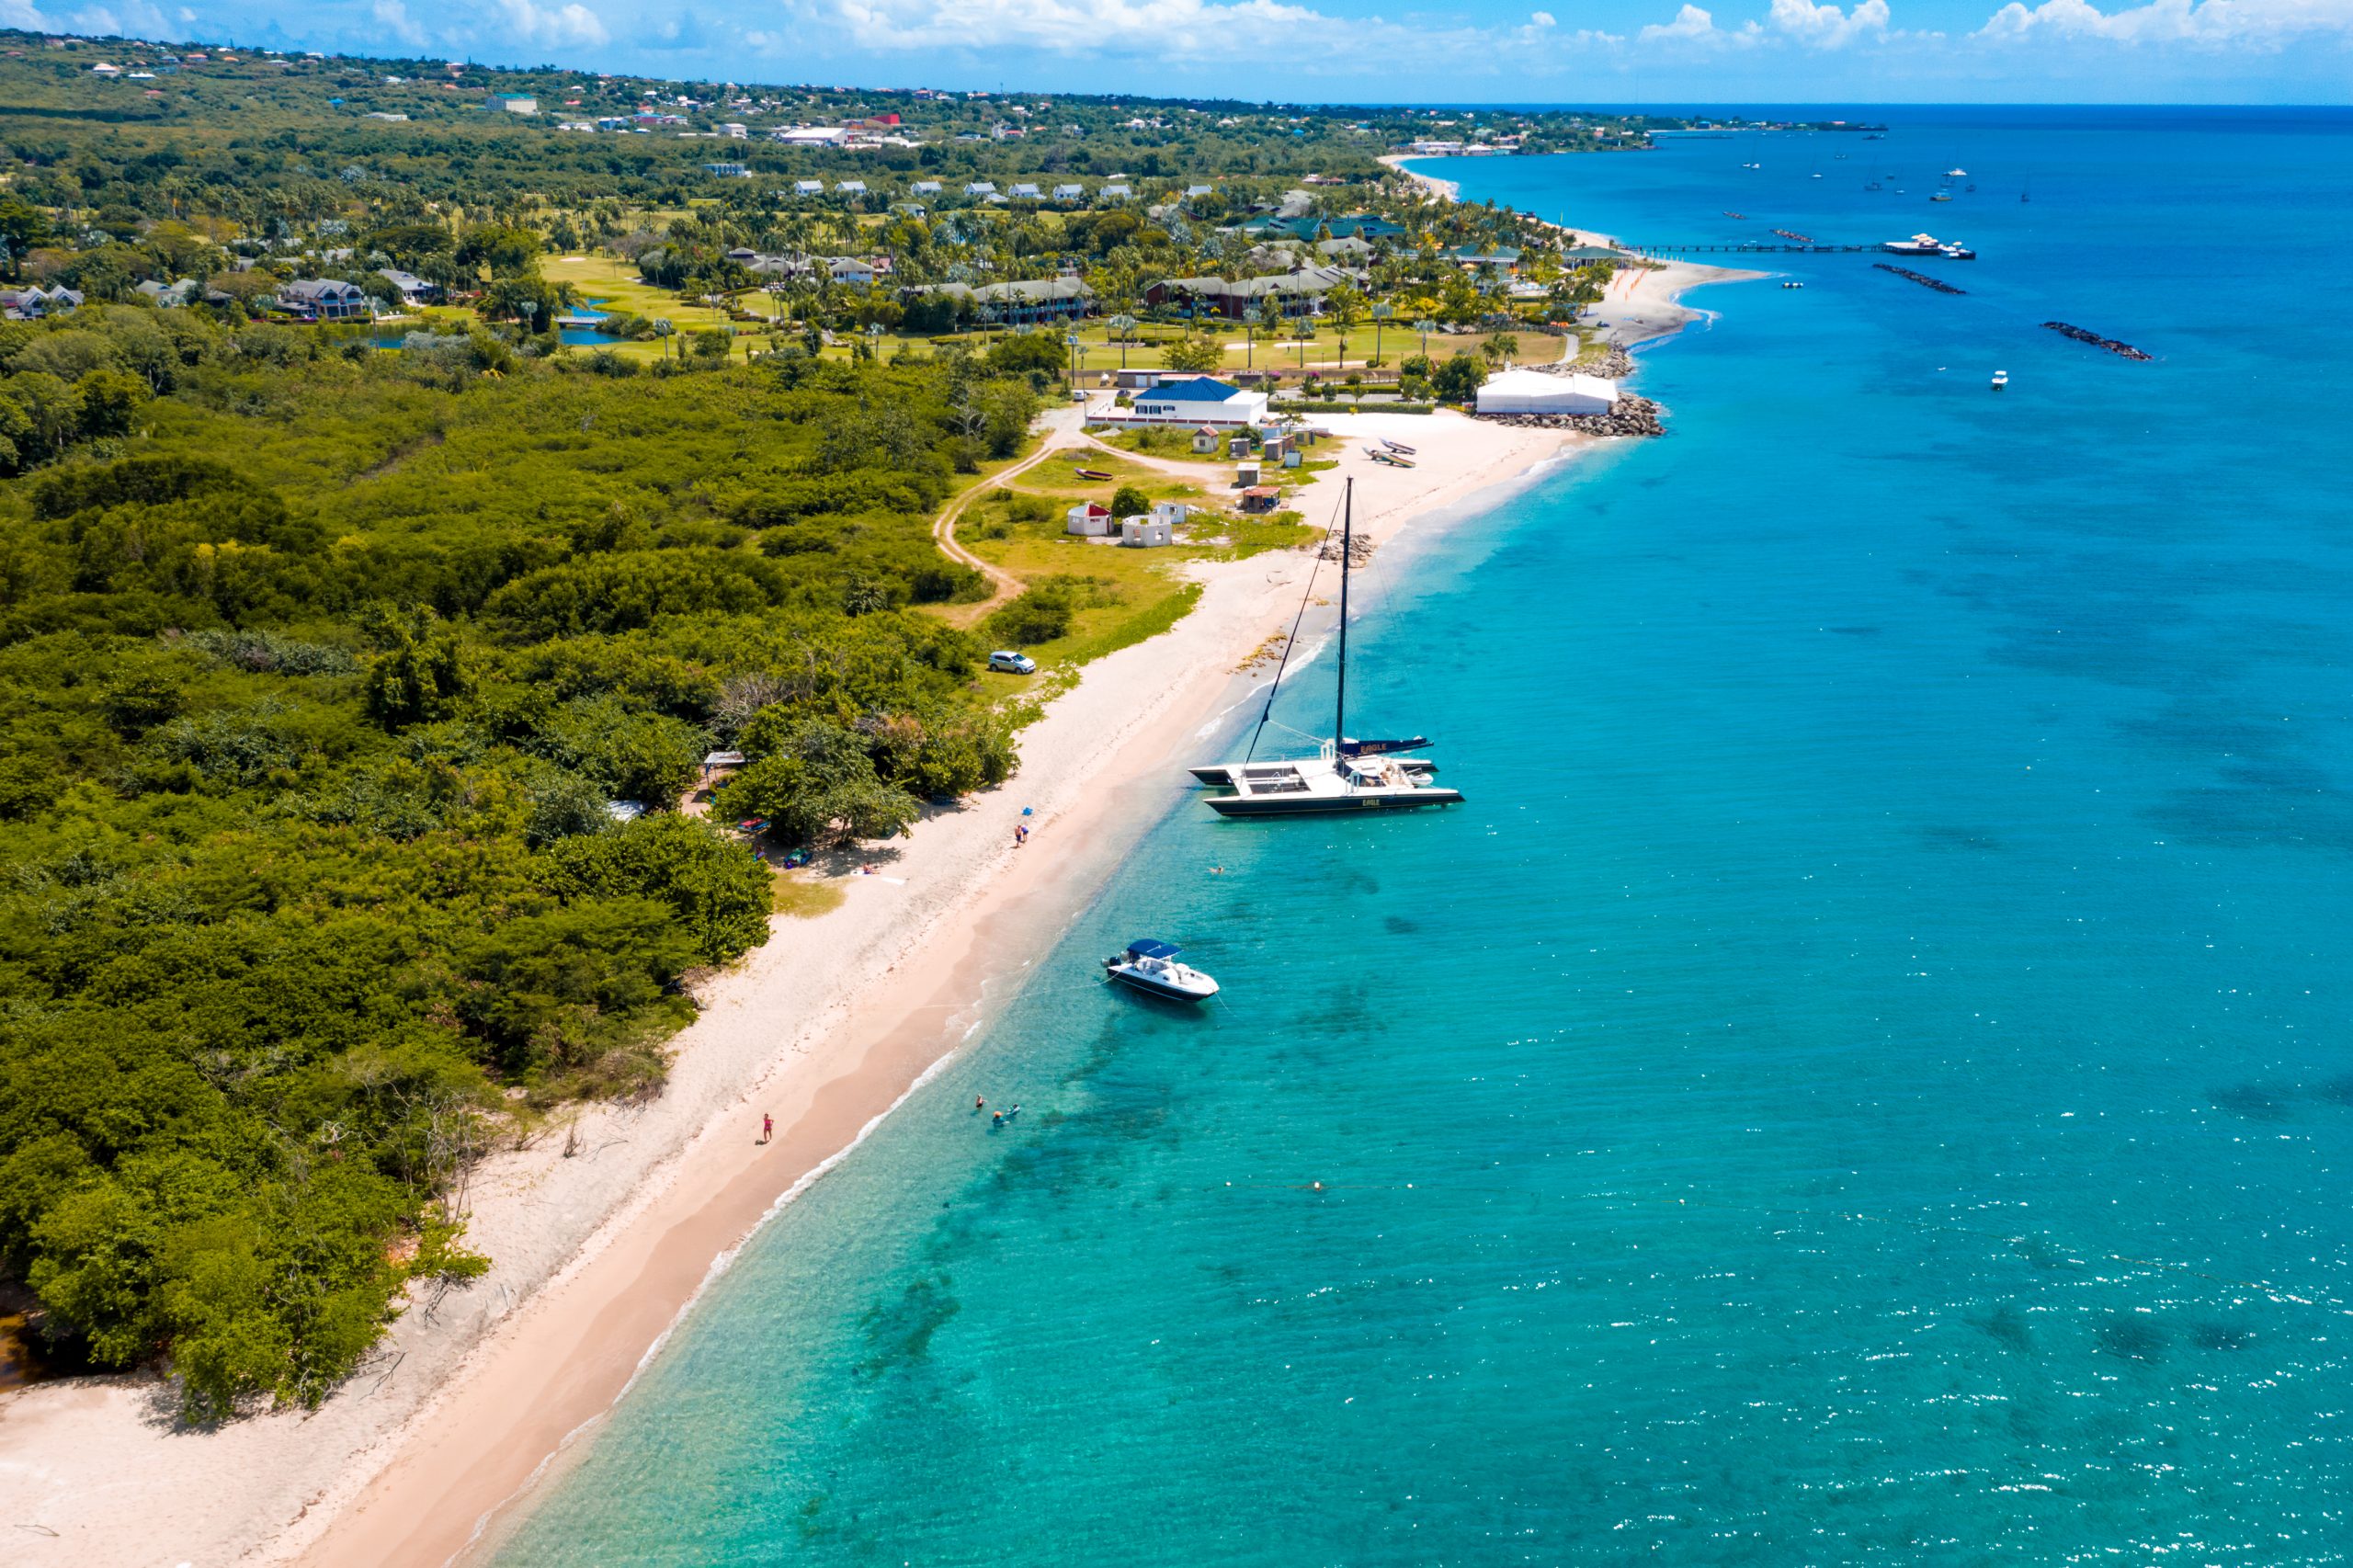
598,1257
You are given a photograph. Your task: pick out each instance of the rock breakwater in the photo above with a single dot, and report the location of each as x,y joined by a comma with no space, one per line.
1922,279
1632,417
2085,334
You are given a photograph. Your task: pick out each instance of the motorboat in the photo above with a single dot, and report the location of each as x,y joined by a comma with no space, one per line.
2001,380
1344,775
1956,173
1955,251
1149,965
1918,245
1941,195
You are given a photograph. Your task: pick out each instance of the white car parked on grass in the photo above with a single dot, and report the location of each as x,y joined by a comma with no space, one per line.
1013,664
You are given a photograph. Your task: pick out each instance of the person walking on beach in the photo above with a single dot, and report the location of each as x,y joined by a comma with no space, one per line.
767,1126
1020,834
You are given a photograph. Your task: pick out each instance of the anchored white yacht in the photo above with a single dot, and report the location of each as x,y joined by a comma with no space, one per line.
1344,774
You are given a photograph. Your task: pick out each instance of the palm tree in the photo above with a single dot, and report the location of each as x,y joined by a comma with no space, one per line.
1125,326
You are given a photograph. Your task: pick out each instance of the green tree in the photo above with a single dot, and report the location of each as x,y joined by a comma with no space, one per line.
1459,380
419,671
1193,356
720,891
816,783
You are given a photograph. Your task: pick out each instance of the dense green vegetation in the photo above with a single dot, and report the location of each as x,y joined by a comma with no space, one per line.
321,669
355,701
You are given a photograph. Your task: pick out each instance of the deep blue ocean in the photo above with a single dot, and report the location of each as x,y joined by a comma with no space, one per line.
1866,1077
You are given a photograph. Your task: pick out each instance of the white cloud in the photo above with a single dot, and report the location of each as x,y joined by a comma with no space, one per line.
393,17
573,23
1694,27
2256,22
1187,29
1826,26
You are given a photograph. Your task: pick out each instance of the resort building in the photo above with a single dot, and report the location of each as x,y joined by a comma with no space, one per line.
325,299
1026,303
1299,293
1200,401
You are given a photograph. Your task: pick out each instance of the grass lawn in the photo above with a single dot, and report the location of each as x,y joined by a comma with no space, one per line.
1121,595
802,897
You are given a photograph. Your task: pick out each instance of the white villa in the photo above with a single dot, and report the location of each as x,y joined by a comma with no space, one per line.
1198,401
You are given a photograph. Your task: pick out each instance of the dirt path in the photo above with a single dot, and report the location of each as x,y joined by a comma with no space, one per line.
1062,434
1199,472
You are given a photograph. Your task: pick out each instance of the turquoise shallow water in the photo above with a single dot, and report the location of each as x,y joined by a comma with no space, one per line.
1865,1078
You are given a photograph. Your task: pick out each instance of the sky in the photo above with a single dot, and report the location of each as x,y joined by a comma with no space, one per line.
1614,52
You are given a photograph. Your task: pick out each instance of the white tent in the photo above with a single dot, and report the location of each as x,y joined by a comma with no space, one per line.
1532,391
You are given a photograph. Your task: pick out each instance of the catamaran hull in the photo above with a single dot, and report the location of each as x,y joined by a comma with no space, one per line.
1223,772
1343,805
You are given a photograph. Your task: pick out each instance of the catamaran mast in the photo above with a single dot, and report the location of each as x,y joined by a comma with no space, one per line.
1340,711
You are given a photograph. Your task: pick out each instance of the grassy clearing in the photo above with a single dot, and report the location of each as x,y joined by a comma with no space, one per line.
798,896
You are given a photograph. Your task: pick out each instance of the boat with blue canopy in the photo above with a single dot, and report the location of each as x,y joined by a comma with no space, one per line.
1149,965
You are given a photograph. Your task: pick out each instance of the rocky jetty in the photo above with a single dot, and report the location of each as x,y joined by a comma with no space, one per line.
1632,417
1612,364
1922,279
2085,334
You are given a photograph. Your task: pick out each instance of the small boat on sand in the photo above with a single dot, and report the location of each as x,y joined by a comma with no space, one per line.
1149,965
1399,447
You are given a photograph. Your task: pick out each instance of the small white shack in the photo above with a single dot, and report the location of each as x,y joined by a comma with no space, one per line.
1532,391
1172,513
1146,533
1088,519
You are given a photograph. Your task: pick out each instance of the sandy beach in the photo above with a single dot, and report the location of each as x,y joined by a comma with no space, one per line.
825,1027
1643,302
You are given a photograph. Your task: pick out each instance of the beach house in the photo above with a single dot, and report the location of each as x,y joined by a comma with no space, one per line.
1146,533
1088,519
1198,400
325,299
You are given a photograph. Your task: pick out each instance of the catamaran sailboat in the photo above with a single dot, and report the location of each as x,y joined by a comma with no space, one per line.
1344,774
